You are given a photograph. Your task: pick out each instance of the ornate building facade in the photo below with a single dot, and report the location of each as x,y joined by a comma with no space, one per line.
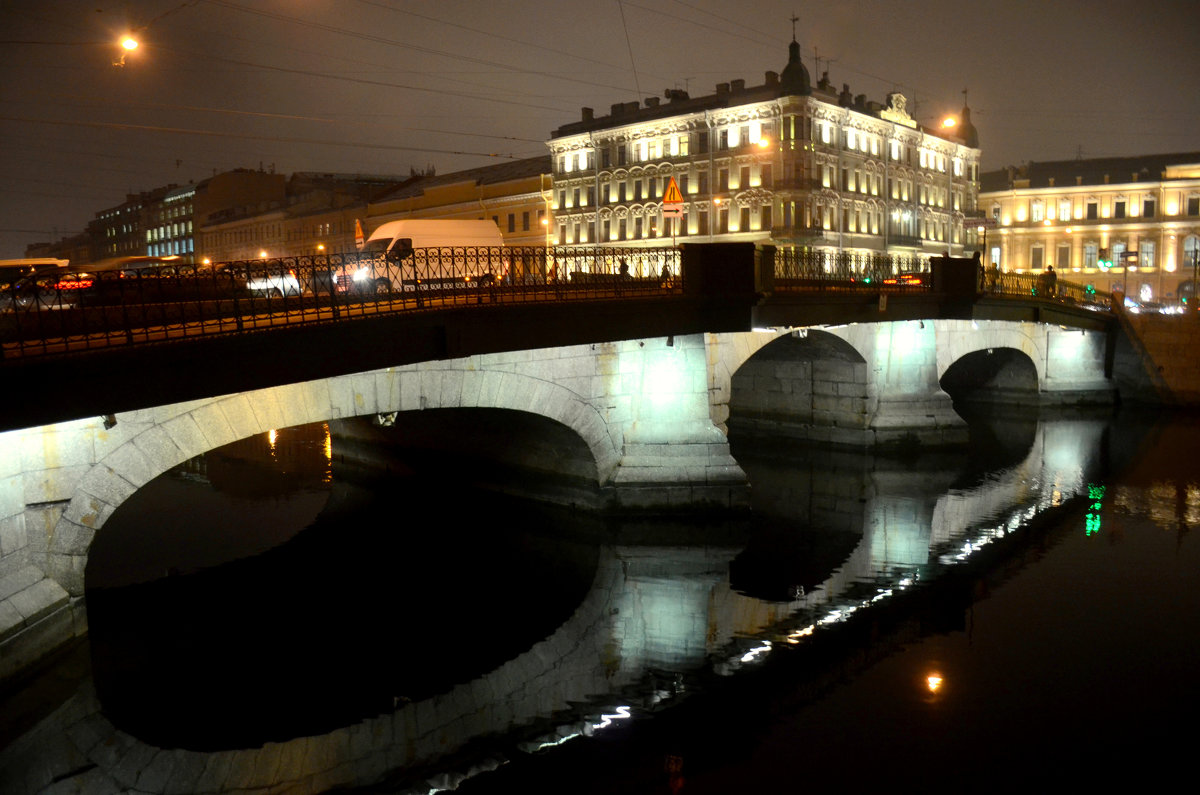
1125,223
786,163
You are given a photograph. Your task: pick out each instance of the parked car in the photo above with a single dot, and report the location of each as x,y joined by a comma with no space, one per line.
266,279
21,280
136,280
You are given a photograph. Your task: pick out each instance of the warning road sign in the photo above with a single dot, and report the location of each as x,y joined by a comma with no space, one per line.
672,195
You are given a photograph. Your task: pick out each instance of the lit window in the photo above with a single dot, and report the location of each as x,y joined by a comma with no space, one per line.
1146,254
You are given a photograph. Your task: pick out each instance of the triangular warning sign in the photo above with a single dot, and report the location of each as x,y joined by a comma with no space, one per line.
359,239
672,195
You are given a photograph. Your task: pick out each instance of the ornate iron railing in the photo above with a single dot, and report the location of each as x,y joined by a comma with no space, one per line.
806,269
156,302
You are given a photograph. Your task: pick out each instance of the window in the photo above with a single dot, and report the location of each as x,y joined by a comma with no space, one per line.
723,180
744,220
1148,208
1064,209
1037,211
722,139
765,176
1063,257
1093,211
764,218
744,177
1193,205
512,222
621,193
1036,258
703,183
1191,251
525,221
1119,209
1146,254
1091,252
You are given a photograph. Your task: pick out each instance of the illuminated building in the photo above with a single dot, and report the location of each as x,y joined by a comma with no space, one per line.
514,194
786,162
1141,214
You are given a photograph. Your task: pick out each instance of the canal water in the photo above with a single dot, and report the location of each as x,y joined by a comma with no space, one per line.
1024,612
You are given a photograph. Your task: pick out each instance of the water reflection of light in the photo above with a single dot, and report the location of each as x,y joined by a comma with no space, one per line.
757,650
622,713
328,454
272,436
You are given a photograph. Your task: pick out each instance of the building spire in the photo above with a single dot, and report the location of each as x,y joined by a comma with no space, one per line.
794,78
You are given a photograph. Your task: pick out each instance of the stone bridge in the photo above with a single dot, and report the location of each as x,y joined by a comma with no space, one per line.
652,415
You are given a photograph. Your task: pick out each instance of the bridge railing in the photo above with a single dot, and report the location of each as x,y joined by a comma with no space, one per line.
81,309
804,270
1037,285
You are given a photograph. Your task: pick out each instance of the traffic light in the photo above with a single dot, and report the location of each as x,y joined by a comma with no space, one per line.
1105,259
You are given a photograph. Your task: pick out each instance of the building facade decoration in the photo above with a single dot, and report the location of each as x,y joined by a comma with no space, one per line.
784,163
1129,224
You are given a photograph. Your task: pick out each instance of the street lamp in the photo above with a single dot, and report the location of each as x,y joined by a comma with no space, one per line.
127,44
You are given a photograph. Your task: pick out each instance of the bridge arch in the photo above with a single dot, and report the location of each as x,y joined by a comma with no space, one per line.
148,443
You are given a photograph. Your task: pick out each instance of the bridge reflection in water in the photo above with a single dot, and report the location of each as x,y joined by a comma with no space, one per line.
660,617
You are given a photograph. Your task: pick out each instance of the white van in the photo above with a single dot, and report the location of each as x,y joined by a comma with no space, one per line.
427,254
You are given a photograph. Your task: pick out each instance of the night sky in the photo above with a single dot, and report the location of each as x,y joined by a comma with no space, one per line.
382,86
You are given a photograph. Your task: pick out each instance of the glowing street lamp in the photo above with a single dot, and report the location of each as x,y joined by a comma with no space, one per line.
127,44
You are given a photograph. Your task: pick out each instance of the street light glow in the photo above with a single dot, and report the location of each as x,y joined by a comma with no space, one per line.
129,43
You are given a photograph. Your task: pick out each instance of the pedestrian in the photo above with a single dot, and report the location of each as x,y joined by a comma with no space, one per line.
1051,282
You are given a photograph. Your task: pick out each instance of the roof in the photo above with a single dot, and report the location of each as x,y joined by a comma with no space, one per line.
1095,171
505,171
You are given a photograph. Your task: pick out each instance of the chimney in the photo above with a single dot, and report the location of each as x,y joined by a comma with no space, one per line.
617,109
737,85
630,107
588,114
651,102
772,79
722,88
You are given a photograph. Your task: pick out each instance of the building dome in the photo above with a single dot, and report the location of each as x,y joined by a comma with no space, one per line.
795,79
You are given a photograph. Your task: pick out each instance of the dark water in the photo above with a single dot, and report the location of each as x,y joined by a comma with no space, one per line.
1022,613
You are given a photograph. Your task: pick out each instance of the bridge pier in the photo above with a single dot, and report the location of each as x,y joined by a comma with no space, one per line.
673,456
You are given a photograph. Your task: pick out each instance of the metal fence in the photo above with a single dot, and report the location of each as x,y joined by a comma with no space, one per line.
78,309
820,270
845,270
